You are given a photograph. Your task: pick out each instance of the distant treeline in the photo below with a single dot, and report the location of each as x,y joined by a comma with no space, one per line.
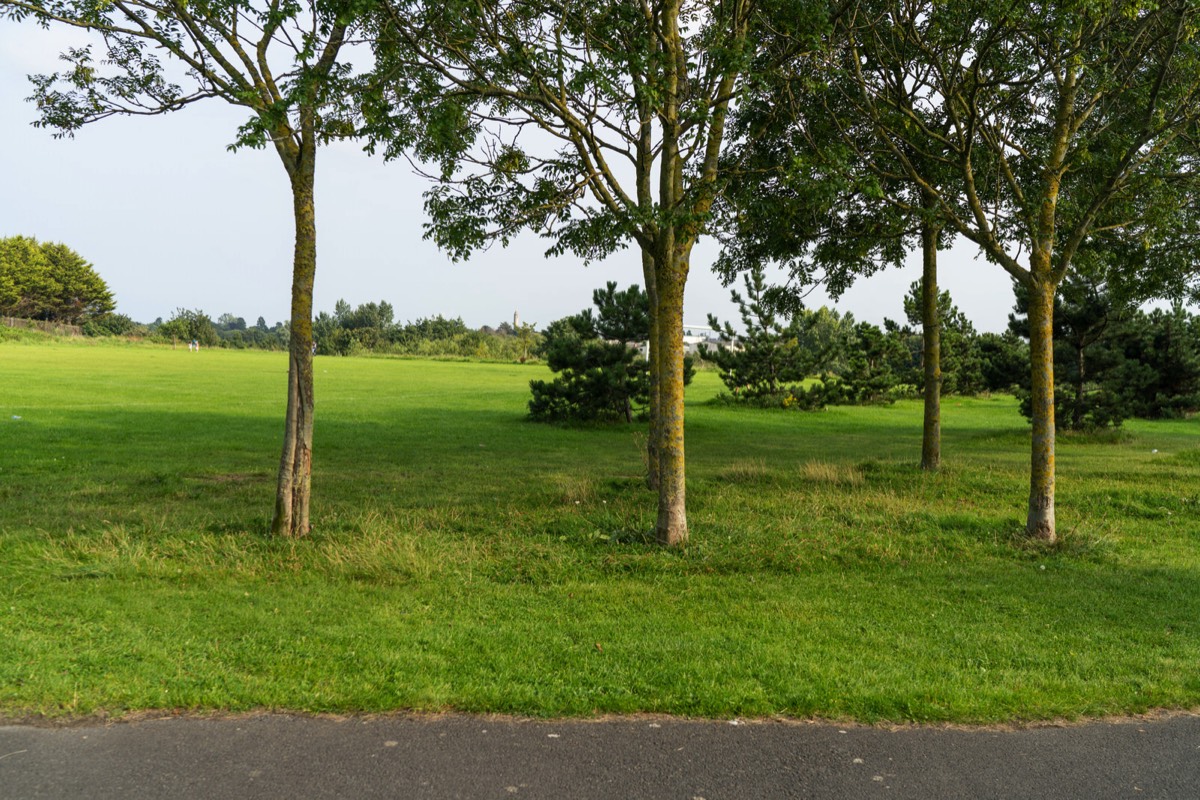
367,328
370,328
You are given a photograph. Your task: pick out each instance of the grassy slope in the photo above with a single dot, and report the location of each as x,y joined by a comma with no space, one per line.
468,559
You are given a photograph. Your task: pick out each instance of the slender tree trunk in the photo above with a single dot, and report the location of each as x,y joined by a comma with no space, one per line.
671,275
652,356
1077,413
1040,524
295,465
931,435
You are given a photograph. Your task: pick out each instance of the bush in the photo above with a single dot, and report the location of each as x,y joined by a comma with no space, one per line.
1004,361
598,380
113,325
1094,409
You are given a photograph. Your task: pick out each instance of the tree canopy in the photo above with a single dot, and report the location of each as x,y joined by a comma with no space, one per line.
50,281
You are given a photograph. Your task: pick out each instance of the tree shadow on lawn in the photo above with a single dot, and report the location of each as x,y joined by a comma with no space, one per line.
494,469
131,465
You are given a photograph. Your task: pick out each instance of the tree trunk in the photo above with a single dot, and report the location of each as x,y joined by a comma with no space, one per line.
1040,524
671,275
295,465
1077,413
652,357
931,436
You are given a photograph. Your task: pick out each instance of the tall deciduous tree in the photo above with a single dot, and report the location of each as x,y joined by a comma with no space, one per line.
284,63
1066,129
599,124
820,193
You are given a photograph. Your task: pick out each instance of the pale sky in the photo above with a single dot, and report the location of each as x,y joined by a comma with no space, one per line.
170,219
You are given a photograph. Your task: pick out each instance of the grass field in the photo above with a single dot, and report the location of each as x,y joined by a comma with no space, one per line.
464,558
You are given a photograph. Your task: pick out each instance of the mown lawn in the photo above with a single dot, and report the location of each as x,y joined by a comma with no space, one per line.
465,558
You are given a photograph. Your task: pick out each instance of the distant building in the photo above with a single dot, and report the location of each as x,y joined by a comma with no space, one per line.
694,336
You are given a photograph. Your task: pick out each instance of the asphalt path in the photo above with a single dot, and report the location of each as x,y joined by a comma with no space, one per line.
283,756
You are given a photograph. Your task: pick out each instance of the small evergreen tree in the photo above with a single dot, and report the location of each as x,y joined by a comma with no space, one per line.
1085,353
961,361
781,347
1159,374
597,380
878,360
1004,361
600,376
623,316
767,361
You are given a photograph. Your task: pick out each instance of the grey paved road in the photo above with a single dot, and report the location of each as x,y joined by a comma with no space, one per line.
277,756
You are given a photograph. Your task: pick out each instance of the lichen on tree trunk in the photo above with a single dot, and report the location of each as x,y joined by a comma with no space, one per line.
1040,522
671,274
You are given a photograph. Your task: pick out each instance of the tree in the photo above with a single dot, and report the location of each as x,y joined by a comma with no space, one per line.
228,322
525,335
1160,370
877,358
50,281
1066,129
629,102
1004,361
961,368
281,62
1085,317
190,326
819,192
84,294
601,374
768,357
596,379
432,328
622,316
1113,362
368,326
26,284
830,336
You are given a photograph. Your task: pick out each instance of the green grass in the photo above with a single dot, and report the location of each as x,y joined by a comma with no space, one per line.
464,558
